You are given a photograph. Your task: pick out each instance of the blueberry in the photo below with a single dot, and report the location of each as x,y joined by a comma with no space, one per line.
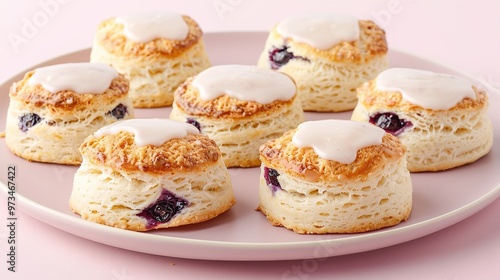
28,121
195,123
119,111
390,122
281,56
271,177
164,209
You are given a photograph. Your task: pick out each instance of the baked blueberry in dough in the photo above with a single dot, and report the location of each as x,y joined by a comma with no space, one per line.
441,119
334,176
145,174
52,109
240,107
328,56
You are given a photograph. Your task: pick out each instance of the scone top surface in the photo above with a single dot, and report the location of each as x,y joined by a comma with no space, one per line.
150,145
335,37
149,34
332,150
70,86
235,91
320,31
413,89
147,27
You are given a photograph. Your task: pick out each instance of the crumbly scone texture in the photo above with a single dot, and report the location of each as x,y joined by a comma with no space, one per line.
327,79
156,68
238,127
118,180
318,196
112,197
438,139
66,119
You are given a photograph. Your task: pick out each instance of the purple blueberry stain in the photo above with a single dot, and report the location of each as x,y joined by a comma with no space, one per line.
271,177
281,56
28,121
119,111
164,209
390,122
194,122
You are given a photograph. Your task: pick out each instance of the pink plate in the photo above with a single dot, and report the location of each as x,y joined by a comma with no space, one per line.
440,199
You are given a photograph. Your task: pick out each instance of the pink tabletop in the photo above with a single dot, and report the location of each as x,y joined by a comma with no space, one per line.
463,35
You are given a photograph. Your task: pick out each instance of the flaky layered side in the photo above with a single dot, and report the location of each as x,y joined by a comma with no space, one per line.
238,127
327,79
66,118
156,68
437,139
119,181
323,196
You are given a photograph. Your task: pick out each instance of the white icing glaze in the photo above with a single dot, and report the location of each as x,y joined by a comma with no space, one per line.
320,31
78,77
150,131
244,82
427,89
337,140
149,26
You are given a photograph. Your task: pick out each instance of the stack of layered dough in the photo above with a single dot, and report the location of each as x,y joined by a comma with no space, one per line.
145,174
328,56
441,119
240,107
155,51
54,108
335,176
317,177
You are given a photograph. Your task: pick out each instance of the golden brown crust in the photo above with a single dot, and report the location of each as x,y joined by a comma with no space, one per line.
111,36
188,100
120,152
371,97
304,163
67,100
371,43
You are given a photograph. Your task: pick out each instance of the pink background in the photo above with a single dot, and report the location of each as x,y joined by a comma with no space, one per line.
462,34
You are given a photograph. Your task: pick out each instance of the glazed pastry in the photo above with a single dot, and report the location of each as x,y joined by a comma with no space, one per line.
441,119
52,109
240,107
328,56
145,174
334,176
155,51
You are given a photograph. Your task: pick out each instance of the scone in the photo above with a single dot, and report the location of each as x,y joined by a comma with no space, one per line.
328,56
52,109
335,176
441,119
145,174
240,107
155,51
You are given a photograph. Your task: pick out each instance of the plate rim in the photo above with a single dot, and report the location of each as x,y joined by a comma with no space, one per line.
51,216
